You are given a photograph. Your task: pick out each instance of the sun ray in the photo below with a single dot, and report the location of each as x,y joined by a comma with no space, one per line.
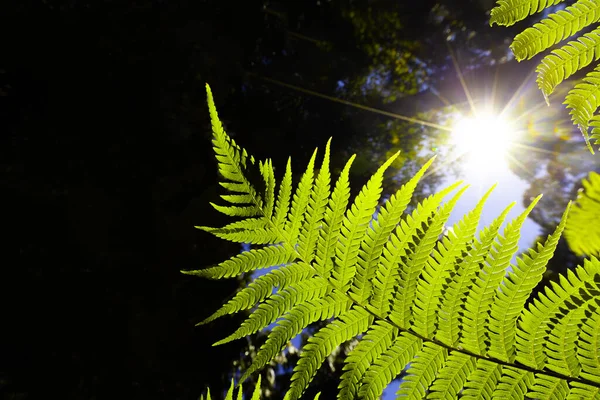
533,148
520,164
516,93
494,87
352,104
461,79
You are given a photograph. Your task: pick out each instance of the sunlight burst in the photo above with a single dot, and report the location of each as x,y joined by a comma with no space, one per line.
483,140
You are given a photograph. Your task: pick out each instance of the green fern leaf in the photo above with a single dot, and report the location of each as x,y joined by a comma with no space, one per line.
423,369
482,382
388,365
556,28
583,100
266,170
333,220
561,63
451,308
354,228
231,157
293,323
262,287
378,339
372,248
442,307
514,291
283,197
536,321
424,315
549,387
247,261
320,345
439,266
316,208
404,241
404,248
582,236
595,134
478,303
508,12
589,342
561,346
300,201
452,376
513,384
279,304
581,391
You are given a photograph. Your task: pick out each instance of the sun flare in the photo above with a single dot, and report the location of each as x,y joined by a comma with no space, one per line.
482,141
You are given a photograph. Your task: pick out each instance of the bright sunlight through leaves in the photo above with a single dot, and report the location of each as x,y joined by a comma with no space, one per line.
482,141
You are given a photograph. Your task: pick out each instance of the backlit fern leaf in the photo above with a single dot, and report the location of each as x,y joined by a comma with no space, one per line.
561,63
451,311
584,98
508,12
556,28
584,237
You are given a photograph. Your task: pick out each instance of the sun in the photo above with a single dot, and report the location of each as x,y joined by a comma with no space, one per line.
482,141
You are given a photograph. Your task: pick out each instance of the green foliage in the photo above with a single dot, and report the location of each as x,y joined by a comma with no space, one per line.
562,62
230,393
449,309
583,230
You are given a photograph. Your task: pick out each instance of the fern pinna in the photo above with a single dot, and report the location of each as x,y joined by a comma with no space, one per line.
562,62
582,234
449,310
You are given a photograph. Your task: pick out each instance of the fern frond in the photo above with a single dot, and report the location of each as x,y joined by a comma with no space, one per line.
439,266
537,320
561,63
255,395
232,159
556,28
247,261
319,346
548,387
300,201
442,308
433,271
451,308
583,392
388,365
283,197
293,323
514,291
355,226
582,236
333,220
423,370
279,304
404,248
509,12
561,347
316,208
262,287
378,339
372,248
595,134
513,384
588,353
452,377
583,100
482,382
478,304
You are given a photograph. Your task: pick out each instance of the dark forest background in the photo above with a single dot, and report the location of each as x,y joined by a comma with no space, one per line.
106,164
